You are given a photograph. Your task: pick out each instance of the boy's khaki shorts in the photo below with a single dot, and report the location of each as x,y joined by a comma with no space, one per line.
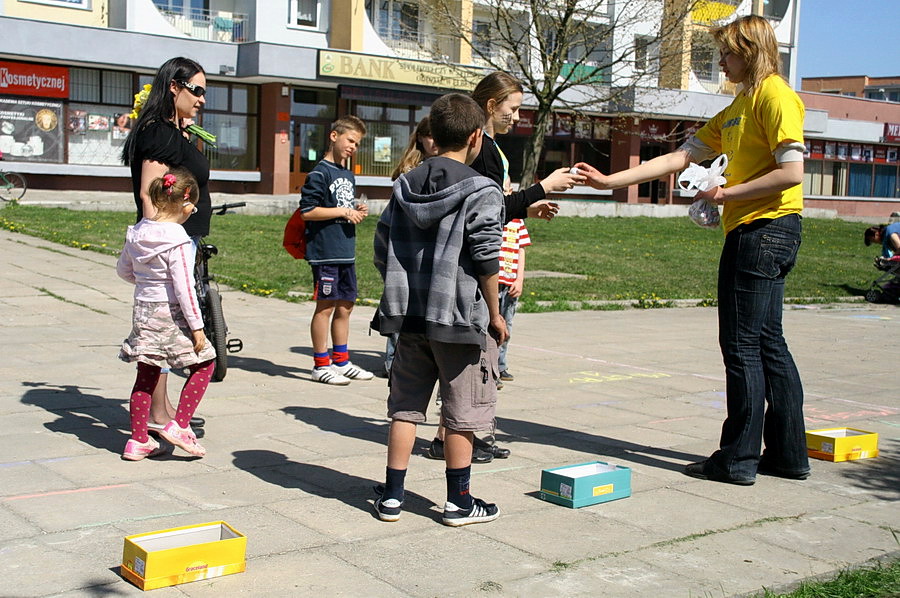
467,375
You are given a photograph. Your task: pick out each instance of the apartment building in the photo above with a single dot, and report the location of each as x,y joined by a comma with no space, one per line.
280,71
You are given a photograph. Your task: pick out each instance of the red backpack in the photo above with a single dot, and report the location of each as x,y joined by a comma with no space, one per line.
295,235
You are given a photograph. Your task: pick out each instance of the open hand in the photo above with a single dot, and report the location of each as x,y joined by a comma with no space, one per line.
543,209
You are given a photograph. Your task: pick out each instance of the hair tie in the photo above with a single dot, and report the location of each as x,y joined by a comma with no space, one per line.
168,181
187,193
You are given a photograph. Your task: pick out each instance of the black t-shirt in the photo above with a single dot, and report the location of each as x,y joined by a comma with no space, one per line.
161,141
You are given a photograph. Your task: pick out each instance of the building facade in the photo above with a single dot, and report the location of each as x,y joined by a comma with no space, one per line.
278,78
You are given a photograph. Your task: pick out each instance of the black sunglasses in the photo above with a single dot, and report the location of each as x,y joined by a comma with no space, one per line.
196,90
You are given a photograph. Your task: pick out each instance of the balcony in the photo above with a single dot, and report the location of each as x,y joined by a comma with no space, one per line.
210,25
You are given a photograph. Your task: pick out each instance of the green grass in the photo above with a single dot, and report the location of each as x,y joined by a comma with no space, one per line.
646,262
880,581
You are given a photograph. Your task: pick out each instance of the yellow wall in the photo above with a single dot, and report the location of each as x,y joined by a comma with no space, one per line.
96,16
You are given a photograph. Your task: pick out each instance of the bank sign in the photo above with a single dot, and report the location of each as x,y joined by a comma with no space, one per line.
18,78
396,70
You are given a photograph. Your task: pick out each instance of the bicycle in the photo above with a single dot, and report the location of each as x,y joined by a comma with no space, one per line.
210,300
12,186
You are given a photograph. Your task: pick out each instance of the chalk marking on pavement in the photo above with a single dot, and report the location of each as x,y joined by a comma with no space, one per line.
672,419
58,492
30,461
623,365
132,519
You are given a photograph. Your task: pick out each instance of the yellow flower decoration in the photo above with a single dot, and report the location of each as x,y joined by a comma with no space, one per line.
140,98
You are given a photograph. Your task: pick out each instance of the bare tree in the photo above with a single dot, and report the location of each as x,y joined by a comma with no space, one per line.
574,55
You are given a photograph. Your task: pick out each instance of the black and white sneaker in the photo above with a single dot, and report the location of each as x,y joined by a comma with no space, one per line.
388,509
481,512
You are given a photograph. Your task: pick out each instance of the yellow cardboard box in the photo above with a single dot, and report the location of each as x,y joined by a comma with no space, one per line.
183,554
841,444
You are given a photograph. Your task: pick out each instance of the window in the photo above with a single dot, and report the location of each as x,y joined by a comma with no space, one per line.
394,19
193,8
646,52
314,103
101,87
812,177
775,9
389,127
481,38
304,13
704,59
230,113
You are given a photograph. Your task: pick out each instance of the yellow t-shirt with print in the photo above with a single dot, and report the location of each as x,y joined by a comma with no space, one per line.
748,131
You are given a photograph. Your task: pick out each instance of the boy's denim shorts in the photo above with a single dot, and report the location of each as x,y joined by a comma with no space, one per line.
334,282
467,376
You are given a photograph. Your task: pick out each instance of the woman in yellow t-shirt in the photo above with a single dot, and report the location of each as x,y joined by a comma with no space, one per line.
761,132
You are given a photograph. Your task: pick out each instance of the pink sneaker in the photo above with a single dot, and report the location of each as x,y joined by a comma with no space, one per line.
135,451
183,438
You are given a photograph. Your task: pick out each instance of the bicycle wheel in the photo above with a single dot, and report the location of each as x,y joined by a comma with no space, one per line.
12,186
216,332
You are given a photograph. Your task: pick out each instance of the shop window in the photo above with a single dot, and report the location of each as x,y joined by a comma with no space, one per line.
216,97
860,183
812,177
101,87
389,127
32,130
313,103
304,13
230,115
838,178
84,85
886,181
243,99
96,133
236,141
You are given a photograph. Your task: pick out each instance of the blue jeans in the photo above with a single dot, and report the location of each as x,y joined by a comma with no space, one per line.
508,311
765,395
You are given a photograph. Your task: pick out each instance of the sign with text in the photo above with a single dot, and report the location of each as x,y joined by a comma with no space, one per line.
18,78
397,70
30,130
892,132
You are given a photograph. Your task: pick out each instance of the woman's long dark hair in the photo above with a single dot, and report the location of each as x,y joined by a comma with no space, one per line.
161,104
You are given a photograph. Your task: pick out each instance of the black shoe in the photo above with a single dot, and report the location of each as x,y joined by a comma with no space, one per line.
700,471
506,376
197,422
493,449
479,512
764,468
436,451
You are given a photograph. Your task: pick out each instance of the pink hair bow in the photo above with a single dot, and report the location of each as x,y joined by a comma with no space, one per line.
168,181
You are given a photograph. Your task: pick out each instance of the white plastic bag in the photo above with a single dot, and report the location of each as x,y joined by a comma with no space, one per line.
696,178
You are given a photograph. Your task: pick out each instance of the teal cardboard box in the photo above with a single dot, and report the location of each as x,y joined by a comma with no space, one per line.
585,484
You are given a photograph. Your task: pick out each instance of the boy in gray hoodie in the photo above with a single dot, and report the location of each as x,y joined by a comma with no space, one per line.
437,248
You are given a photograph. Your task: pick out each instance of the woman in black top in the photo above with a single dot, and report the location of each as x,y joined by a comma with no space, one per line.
500,96
158,142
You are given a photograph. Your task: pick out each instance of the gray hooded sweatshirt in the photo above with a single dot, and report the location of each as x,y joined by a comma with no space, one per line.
440,231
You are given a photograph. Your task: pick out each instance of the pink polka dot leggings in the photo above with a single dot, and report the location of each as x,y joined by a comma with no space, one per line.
191,394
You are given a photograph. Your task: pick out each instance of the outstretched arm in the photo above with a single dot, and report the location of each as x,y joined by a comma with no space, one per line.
652,169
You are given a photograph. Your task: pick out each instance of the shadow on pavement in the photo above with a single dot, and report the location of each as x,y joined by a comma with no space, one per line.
275,468
881,475
264,366
524,431
93,419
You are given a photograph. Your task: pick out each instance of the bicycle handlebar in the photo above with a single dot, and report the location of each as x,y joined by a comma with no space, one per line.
221,209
